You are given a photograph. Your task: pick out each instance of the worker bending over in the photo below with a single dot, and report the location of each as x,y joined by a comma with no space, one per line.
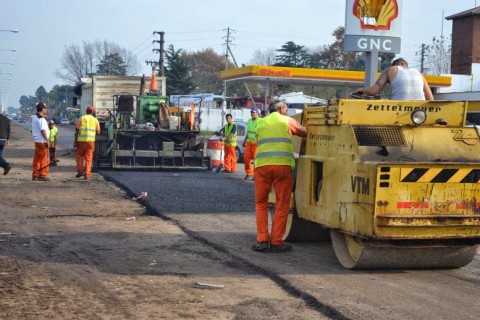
406,83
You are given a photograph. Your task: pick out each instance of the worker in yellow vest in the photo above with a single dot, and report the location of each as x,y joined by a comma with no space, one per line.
87,128
273,166
230,145
53,142
250,144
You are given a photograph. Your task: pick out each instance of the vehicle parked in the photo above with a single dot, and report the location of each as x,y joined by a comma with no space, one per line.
64,122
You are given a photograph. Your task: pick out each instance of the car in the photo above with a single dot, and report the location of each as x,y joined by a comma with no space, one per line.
73,122
64,122
21,121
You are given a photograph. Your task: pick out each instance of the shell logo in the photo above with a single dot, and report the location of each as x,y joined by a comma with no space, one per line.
375,14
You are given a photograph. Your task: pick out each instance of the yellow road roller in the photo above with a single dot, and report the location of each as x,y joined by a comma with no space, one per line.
394,183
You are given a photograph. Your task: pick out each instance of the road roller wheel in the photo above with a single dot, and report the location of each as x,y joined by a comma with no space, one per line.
301,230
353,253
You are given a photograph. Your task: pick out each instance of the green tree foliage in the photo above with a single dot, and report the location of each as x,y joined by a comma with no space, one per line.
205,67
112,65
292,55
177,72
25,103
41,94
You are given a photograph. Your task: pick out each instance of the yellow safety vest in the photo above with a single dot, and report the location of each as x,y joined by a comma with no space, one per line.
274,142
252,130
88,129
232,142
53,133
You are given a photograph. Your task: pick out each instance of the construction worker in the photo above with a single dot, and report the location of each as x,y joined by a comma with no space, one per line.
4,137
40,134
273,166
406,83
229,137
250,144
264,113
87,128
53,142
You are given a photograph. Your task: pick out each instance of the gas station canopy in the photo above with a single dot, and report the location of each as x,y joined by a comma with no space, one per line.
307,76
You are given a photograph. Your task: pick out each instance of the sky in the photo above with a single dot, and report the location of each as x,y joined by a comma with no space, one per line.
47,26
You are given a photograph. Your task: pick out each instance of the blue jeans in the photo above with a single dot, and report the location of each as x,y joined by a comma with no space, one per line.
4,164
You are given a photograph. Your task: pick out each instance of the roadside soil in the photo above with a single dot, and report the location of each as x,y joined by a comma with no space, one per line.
83,249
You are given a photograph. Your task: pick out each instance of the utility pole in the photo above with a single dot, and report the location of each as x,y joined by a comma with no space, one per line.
161,52
227,50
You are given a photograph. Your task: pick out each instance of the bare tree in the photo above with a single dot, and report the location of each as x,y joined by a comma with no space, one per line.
263,58
79,61
437,55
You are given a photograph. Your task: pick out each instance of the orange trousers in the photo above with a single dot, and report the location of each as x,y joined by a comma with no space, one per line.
41,159
85,151
248,156
281,179
230,161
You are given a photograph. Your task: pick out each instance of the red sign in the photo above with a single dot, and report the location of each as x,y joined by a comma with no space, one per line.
275,73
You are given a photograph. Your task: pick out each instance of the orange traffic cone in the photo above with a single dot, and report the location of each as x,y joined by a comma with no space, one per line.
153,82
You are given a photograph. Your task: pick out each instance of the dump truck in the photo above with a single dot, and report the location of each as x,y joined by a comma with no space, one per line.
140,130
393,184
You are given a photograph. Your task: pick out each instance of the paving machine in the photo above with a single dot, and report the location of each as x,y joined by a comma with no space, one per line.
145,132
393,183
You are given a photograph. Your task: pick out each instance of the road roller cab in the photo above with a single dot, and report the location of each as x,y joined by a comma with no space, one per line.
395,183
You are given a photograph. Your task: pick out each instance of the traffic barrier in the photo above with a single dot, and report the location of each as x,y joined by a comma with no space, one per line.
214,151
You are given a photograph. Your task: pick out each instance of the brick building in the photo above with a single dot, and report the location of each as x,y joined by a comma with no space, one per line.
465,40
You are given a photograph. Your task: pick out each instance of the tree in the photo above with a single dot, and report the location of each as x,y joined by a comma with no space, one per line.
79,61
112,65
332,56
263,58
437,55
292,55
41,94
205,67
178,79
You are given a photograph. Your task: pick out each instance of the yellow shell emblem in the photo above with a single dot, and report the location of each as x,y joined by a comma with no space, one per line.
375,14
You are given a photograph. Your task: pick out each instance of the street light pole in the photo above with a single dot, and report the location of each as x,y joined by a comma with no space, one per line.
10,30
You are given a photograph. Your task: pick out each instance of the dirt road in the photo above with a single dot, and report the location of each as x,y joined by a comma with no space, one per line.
70,249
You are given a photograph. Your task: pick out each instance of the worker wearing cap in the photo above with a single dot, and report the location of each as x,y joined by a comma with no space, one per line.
273,166
250,143
40,134
53,142
230,144
87,128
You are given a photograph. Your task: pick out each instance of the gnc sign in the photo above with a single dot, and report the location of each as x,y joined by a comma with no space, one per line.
373,25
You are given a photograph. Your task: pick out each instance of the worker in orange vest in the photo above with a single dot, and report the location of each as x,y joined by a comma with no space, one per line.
87,128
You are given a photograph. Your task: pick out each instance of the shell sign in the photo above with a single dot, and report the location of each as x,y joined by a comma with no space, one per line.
373,25
375,14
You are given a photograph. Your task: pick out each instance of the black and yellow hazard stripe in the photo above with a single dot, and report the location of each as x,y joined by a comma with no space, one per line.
437,175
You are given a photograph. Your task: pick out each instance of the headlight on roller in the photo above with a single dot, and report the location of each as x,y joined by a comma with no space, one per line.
418,117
